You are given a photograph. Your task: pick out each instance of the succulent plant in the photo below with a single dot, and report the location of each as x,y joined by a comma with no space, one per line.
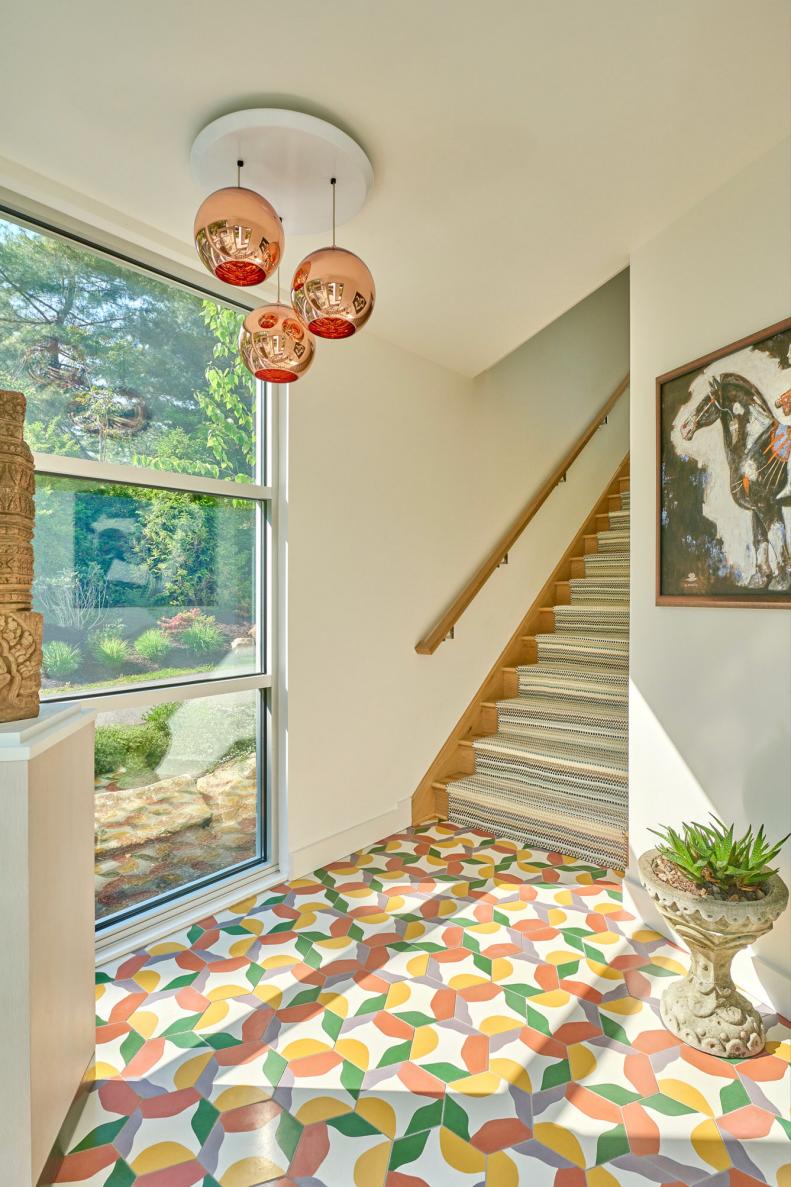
713,857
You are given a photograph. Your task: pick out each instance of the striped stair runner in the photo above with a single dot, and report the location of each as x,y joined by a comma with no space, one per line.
554,776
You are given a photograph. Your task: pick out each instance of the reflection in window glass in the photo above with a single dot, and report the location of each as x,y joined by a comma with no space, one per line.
139,585
176,796
118,365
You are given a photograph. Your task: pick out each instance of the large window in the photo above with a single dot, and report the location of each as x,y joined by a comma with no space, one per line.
152,520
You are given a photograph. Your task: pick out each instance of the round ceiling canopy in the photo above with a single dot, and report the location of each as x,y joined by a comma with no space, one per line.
289,157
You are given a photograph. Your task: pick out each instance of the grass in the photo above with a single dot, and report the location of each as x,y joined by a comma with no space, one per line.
137,678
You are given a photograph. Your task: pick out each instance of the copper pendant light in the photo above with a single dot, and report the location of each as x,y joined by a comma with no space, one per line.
333,290
275,345
238,235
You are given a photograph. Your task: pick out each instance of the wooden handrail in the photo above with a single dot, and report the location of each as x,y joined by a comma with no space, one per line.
444,626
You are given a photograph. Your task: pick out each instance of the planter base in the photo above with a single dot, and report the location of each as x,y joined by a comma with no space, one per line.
719,1022
705,1009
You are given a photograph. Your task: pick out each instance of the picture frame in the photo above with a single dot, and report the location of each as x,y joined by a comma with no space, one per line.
723,476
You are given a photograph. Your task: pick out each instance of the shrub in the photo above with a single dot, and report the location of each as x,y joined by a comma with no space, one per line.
712,857
110,748
180,622
153,645
111,650
60,660
203,636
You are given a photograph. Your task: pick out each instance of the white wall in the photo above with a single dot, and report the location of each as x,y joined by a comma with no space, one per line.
711,688
402,475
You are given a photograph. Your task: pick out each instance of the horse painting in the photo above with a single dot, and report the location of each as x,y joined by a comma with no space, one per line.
724,476
758,449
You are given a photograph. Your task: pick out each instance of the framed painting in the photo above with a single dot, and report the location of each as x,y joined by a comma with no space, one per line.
724,476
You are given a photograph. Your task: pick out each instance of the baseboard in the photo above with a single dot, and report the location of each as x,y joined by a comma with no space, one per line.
758,976
348,840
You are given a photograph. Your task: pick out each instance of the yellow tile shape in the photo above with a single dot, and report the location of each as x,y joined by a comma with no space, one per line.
147,979
414,929
460,1154
239,1096
484,1084
448,907
599,1176
166,948
562,956
781,1050
555,916
584,878
270,995
513,1072
608,908
424,1042
255,926
501,968
666,962
241,947
190,1072
551,997
144,1022
306,919
465,980
396,903
622,1005
784,1175
498,1024
605,937
360,892
221,992
243,906
564,898
561,1140
100,991
582,1060
279,962
416,967
160,1157
605,971
397,994
708,1144
500,1171
250,1171
301,1048
212,1015
321,1108
371,1167
334,942
102,1071
685,1094
336,1003
645,935
378,1113
353,1051
484,929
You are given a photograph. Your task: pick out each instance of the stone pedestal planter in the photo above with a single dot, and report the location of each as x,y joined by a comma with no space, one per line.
705,1009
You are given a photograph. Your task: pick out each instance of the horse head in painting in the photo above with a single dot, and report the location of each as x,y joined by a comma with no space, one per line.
757,449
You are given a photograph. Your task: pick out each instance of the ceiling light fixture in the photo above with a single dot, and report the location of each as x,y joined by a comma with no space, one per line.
239,237
333,290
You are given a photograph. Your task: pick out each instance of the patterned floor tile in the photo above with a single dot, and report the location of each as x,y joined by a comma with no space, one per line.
444,1008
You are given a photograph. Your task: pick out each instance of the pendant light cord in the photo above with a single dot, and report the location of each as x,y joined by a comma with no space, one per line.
239,167
333,181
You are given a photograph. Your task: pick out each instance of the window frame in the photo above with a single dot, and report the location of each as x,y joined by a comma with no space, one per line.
144,922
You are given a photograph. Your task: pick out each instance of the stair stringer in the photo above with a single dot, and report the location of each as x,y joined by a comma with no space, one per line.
430,798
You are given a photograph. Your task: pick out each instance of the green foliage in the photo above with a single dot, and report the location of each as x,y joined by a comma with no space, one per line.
60,660
110,650
137,748
712,857
109,751
153,645
177,544
202,636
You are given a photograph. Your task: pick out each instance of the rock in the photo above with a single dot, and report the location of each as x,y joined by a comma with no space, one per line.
243,641
231,789
137,815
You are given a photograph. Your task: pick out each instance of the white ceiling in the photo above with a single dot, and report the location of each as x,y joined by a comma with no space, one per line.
521,148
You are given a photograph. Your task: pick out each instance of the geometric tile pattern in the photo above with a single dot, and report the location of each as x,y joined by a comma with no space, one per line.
443,1008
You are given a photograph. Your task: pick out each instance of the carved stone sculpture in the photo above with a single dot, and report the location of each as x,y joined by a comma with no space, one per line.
20,627
705,1009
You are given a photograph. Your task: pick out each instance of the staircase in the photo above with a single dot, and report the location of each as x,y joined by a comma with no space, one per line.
553,774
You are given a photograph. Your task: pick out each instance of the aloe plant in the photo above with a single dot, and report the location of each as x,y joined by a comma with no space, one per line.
713,857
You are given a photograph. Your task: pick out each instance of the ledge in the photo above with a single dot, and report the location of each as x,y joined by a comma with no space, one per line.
22,740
